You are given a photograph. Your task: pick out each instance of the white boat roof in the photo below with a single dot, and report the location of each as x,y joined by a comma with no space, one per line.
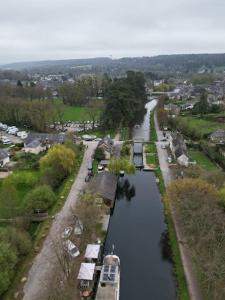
86,271
108,292
92,251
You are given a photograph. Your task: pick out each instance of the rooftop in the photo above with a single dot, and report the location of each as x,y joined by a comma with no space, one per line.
104,184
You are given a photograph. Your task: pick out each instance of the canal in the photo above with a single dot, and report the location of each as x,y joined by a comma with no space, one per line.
139,233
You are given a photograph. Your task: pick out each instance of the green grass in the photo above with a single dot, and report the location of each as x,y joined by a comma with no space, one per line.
72,113
202,160
196,127
153,135
124,134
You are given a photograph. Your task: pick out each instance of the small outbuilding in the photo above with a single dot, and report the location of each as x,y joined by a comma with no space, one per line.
104,185
86,272
92,252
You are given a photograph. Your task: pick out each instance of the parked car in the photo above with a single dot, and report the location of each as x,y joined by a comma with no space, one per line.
24,136
3,126
71,248
6,141
100,168
67,232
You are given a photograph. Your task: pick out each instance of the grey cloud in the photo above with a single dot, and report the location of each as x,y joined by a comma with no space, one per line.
47,29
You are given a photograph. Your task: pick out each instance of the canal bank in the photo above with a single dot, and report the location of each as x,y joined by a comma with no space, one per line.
138,230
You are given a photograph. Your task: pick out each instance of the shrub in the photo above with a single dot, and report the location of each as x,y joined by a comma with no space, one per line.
40,198
57,164
8,260
99,154
18,239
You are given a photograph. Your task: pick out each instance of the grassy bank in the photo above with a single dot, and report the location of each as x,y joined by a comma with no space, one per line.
178,266
202,160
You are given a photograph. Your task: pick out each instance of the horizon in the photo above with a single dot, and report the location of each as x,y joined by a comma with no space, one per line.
106,57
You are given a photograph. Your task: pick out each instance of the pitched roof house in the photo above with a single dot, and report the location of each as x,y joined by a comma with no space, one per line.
218,136
179,149
38,142
107,145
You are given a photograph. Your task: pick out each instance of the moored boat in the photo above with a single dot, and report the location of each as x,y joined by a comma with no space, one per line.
109,283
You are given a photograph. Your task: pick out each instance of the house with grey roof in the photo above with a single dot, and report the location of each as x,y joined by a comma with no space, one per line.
106,145
172,109
179,149
4,158
38,142
218,136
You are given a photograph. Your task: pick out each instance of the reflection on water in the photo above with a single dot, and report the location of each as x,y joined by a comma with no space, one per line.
125,190
165,246
138,230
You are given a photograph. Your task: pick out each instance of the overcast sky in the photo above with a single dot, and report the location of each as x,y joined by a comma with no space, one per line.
61,29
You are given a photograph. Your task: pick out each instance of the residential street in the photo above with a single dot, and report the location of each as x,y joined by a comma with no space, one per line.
44,265
190,275
162,154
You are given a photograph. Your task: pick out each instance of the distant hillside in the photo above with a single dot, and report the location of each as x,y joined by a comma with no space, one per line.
163,63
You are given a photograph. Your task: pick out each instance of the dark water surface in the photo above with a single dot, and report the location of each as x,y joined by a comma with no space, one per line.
139,233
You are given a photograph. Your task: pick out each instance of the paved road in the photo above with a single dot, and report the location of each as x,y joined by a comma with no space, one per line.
162,154
192,282
42,270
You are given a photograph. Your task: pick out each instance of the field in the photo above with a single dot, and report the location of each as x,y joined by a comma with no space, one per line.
72,113
202,160
197,128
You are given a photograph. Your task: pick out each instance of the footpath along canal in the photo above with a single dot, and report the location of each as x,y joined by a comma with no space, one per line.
138,231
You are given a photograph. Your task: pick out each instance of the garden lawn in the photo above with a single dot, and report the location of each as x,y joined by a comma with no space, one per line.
202,160
72,113
195,127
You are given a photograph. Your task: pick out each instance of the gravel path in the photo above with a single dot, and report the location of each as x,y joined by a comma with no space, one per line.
44,264
192,282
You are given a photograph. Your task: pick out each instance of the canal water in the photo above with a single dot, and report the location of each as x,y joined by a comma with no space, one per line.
138,231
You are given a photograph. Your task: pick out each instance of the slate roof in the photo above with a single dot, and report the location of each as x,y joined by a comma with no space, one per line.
218,134
34,144
104,184
52,138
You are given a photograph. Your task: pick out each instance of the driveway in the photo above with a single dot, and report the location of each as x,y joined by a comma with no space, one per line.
162,154
45,263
